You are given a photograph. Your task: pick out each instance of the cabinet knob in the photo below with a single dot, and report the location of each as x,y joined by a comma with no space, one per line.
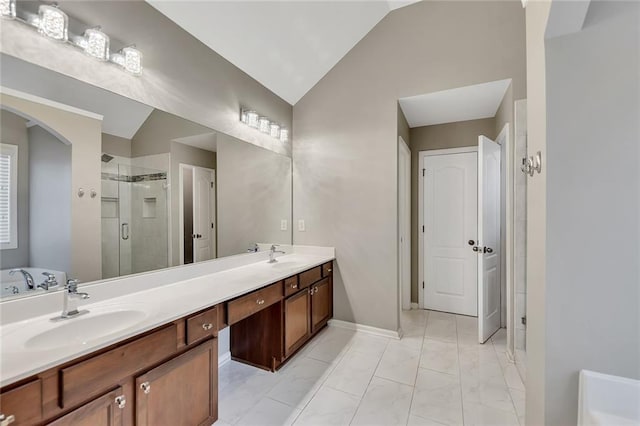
207,326
294,285
121,401
146,387
329,270
316,289
7,420
260,301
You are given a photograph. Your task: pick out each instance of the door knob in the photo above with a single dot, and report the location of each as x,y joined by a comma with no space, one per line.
476,248
488,250
471,242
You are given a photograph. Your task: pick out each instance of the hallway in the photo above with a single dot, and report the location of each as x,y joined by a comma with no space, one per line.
436,374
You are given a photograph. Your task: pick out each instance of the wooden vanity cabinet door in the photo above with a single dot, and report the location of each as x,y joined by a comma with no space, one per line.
321,301
182,391
297,327
24,403
106,410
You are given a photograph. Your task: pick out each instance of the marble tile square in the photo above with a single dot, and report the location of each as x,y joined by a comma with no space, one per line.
437,397
233,402
268,412
332,345
482,415
492,392
399,363
512,377
329,407
444,330
374,345
518,398
439,356
353,373
385,403
300,381
441,316
467,325
419,421
411,337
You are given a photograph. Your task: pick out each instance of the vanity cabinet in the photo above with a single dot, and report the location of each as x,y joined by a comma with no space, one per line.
297,328
182,391
321,303
106,410
23,404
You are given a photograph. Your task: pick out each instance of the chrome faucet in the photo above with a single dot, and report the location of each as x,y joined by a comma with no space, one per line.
49,282
27,277
70,304
272,252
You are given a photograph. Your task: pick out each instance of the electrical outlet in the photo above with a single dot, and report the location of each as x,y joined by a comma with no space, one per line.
283,225
301,227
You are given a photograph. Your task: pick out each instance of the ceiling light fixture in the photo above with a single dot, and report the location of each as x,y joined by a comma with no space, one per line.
53,23
8,9
264,124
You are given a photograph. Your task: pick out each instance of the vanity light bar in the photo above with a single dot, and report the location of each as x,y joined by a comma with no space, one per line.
53,23
264,124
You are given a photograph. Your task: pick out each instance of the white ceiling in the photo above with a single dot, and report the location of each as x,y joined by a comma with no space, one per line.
288,46
122,116
459,104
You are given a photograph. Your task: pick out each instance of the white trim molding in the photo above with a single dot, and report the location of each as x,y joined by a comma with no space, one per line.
415,306
375,331
49,103
224,358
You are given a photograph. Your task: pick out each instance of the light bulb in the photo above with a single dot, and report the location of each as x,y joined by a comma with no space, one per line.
52,22
284,135
8,9
96,44
252,119
263,125
275,130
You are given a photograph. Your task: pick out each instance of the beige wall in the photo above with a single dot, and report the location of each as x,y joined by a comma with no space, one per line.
84,134
183,154
345,131
403,126
441,136
253,194
537,14
116,145
13,130
181,75
592,253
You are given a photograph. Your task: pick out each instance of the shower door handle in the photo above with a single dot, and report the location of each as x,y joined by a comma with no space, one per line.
125,231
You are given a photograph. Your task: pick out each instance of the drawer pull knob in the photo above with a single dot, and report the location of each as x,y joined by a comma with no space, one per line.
294,285
7,420
316,289
329,270
207,326
121,401
146,387
260,301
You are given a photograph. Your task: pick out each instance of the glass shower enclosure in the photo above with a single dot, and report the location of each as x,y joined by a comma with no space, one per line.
134,218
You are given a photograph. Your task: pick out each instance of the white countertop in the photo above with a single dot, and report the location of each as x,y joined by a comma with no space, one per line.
160,305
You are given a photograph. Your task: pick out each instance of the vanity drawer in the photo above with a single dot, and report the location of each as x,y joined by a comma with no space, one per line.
291,286
327,269
248,305
96,375
311,276
24,403
202,325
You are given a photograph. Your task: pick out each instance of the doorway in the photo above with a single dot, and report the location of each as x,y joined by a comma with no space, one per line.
197,219
404,223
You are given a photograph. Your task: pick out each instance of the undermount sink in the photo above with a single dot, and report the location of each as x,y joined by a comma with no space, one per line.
85,330
284,265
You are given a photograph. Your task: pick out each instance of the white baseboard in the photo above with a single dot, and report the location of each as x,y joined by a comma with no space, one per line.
224,358
415,306
365,329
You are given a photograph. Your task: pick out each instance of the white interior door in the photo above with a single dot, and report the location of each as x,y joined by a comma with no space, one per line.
404,223
450,229
488,238
203,214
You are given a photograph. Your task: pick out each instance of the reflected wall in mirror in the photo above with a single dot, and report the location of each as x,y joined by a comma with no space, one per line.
105,186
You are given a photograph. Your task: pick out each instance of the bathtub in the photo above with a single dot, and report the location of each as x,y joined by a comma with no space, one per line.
15,285
608,400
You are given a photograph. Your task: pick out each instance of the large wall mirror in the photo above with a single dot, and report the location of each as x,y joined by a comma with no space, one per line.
95,185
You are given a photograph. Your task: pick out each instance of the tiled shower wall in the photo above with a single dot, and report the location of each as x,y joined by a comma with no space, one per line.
520,258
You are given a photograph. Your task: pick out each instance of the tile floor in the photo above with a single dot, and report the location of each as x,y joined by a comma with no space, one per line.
437,374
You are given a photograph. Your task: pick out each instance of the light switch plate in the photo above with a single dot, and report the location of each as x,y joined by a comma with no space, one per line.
283,225
301,227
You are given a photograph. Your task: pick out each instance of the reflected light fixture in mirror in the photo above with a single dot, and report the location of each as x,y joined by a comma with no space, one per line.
252,119
274,130
53,23
8,9
284,135
263,125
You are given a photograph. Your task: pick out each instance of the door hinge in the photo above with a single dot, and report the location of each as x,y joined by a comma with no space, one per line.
212,225
524,320
423,172
422,228
211,184
423,284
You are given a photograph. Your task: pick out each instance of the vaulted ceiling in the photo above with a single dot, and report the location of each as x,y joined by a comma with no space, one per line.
288,46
